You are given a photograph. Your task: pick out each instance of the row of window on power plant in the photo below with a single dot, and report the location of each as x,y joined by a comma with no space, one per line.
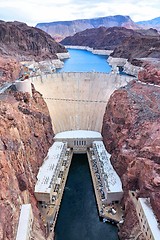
147,220
110,183
50,173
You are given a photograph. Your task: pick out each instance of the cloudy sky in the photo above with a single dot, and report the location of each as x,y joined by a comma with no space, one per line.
35,11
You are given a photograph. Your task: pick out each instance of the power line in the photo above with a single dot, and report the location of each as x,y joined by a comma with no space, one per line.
66,99
75,100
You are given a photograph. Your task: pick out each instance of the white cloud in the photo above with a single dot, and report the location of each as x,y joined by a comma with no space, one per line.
137,10
34,11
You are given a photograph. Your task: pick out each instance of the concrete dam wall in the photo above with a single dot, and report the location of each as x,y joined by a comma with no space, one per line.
77,101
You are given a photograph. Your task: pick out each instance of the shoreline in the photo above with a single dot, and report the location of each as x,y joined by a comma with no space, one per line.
94,51
115,63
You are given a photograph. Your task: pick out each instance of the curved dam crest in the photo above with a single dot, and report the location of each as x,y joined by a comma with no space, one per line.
77,101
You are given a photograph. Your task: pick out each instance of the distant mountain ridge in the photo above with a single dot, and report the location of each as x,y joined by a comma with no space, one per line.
153,23
61,29
126,43
108,38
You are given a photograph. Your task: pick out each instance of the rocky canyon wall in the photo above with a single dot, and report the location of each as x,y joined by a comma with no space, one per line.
27,43
25,136
9,70
130,130
150,72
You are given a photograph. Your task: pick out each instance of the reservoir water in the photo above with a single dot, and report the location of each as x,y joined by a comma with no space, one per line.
85,61
78,217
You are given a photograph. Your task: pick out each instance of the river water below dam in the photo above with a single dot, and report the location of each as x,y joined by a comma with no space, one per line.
78,217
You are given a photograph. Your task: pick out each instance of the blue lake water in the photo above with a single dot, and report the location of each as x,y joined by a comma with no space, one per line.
78,217
85,61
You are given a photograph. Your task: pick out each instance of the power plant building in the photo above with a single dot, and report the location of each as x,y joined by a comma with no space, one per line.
48,176
110,183
24,230
147,220
78,140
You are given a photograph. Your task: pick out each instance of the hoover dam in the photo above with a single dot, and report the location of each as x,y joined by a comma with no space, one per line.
77,101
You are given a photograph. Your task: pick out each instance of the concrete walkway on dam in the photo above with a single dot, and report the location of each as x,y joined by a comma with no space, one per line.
78,100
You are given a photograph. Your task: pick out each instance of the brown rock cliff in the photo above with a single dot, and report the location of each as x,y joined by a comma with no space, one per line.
138,46
150,73
27,43
25,137
100,38
130,130
9,70
126,43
